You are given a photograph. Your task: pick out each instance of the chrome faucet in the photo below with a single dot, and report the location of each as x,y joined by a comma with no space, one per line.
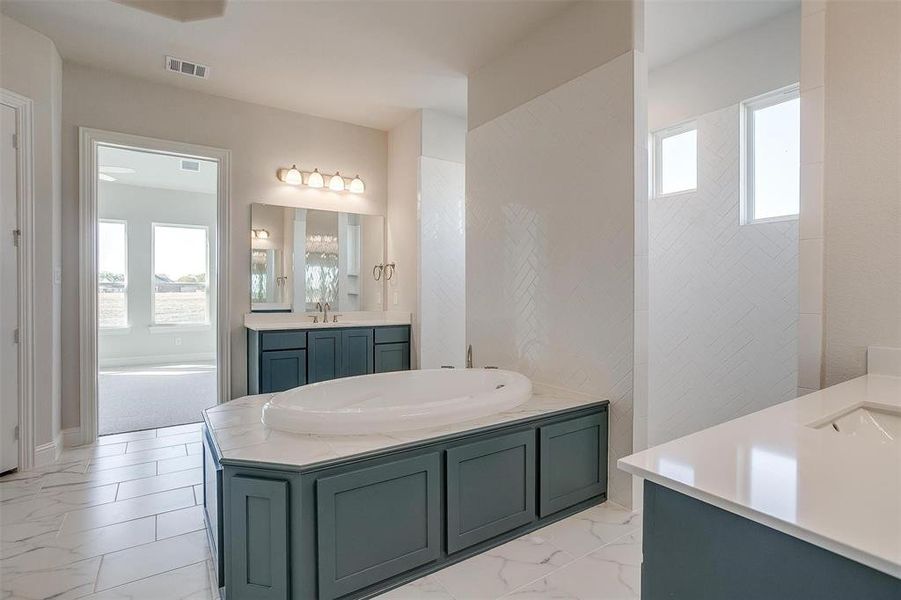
324,308
469,357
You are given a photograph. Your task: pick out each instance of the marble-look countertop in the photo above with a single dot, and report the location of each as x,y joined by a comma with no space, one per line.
834,490
240,435
264,321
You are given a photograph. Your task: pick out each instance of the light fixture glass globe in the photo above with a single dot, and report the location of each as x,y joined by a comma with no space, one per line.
293,176
315,179
336,183
356,186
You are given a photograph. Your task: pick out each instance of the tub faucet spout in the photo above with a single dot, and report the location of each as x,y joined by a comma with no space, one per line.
469,357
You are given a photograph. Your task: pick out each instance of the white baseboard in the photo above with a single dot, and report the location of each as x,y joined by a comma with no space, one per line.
162,359
47,454
71,437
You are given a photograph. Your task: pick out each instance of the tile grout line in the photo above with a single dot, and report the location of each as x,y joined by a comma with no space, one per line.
110,589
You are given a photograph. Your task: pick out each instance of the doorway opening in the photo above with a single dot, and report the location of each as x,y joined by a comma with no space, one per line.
158,243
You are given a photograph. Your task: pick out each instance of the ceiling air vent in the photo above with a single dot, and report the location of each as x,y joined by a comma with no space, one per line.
184,67
190,165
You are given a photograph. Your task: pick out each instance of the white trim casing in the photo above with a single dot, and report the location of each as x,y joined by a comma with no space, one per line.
89,140
24,108
656,157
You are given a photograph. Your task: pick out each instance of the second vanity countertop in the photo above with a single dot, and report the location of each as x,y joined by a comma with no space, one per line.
241,437
271,321
837,491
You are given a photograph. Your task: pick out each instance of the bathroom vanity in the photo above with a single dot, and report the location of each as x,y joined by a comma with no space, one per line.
801,500
286,351
329,516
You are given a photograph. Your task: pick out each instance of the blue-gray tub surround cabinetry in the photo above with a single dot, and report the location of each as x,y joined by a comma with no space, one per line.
358,526
283,359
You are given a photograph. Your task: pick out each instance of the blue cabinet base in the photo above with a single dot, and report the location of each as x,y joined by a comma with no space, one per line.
739,559
360,526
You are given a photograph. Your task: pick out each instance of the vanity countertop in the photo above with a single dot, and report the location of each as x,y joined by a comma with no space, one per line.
838,491
241,436
263,321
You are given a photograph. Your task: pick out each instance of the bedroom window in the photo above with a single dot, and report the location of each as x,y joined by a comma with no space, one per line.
771,156
181,275
112,277
676,160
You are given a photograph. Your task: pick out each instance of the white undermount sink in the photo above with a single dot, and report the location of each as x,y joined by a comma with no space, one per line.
876,423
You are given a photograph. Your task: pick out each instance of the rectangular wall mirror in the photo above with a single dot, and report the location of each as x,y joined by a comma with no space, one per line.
300,257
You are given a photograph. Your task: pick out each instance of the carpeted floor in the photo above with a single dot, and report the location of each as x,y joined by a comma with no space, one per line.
149,397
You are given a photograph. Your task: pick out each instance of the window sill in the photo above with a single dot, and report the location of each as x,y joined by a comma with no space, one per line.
115,330
186,328
767,220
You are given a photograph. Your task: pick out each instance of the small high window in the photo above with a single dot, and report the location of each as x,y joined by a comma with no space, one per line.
771,158
181,275
676,160
112,277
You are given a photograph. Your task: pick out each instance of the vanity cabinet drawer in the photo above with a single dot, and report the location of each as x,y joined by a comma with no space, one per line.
490,488
377,522
283,340
572,462
282,370
391,335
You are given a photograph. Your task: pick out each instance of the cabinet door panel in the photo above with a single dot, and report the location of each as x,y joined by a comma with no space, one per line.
490,488
377,522
324,355
573,462
392,357
357,359
282,370
258,561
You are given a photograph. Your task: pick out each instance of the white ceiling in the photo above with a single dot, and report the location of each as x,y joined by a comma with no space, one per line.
675,28
364,62
151,169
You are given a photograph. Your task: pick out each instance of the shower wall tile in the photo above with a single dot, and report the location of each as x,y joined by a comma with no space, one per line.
442,269
550,244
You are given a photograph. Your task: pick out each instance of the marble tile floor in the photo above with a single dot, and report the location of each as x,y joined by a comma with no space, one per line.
122,519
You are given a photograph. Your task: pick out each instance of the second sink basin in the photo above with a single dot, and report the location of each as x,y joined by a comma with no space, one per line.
882,425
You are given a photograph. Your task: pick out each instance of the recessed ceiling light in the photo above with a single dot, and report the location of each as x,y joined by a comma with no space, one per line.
111,169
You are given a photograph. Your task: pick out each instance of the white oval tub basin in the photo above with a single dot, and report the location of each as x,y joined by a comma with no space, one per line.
401,401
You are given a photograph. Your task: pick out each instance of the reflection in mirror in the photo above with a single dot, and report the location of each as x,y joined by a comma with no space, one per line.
301,257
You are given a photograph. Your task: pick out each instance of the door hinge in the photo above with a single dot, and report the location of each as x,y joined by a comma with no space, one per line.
17,233
15,140
16,335
16,433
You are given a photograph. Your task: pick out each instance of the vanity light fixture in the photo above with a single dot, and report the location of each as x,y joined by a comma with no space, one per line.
293,176
356,186
314,180
336,183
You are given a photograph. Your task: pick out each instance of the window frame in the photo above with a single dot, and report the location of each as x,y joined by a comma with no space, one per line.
127,326
657,138
154,324
746,175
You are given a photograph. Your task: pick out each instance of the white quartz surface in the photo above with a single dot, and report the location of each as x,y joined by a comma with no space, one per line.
273,321
240,434
835,490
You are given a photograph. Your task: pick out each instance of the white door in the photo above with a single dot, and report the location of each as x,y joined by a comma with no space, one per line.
9,292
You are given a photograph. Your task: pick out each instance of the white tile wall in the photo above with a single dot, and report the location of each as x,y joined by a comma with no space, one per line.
550,243
442,269
723,298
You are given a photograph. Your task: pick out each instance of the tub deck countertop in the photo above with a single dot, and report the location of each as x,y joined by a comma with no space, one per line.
241,437
837,491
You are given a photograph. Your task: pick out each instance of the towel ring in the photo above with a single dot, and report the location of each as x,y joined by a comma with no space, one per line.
389,271
377,272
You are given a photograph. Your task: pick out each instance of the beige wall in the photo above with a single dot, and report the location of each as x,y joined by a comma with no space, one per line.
576,41
31,67
261,140
862,184
404,149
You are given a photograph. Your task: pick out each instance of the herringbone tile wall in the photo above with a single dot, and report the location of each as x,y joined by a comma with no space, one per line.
723,298
442,263
549,244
